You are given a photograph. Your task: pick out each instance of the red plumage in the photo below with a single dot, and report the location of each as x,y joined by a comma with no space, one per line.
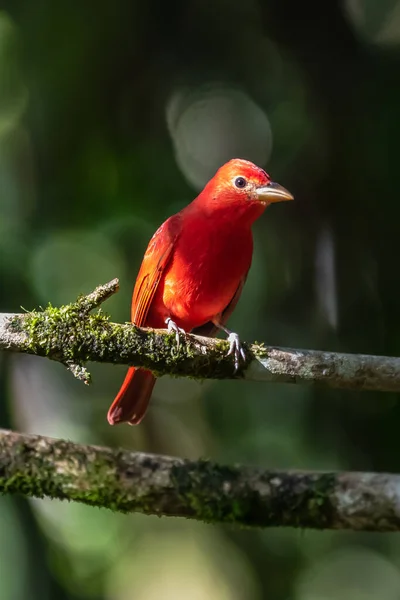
195,267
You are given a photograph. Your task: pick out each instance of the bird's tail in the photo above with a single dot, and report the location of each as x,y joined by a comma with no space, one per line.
131,402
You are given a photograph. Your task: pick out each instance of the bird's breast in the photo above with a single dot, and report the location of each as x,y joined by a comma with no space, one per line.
206,268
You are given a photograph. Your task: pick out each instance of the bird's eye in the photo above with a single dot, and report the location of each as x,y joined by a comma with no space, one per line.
240,182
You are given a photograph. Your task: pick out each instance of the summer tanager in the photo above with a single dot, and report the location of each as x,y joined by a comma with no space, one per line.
194,270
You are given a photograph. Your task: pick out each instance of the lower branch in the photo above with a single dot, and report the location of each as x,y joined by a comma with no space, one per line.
73,335
160,485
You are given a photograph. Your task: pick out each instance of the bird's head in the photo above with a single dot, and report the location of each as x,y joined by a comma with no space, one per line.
243,179
242,184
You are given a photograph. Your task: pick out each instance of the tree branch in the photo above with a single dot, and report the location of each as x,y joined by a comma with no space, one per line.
160,485
73,335
129,482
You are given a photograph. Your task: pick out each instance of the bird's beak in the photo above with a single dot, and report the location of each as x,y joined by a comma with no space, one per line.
273,192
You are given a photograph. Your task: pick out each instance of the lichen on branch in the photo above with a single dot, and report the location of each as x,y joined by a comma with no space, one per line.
80,332
160,485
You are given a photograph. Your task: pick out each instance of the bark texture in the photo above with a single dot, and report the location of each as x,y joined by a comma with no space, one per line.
73,335
202,490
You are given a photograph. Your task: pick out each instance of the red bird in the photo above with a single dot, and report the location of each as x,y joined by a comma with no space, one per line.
194,270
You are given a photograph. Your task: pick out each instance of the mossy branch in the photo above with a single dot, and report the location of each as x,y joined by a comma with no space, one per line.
160,485
129,482
73,335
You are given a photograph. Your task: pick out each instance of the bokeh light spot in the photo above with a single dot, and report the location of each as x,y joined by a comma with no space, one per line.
69,263
376,22
355,573
212,124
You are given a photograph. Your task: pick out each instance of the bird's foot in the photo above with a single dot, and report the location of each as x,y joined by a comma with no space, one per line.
172,327
236,349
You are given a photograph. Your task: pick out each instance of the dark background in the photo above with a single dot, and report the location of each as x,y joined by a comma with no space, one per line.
112,116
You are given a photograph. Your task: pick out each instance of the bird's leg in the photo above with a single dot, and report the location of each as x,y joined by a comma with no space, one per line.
173,327
235,347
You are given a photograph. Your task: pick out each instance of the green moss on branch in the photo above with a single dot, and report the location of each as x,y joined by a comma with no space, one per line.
160,485
69,335
74,335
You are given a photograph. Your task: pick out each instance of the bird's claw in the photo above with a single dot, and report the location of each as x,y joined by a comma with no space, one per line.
236,349
172,327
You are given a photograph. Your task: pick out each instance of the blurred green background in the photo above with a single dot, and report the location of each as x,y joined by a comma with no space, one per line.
112,116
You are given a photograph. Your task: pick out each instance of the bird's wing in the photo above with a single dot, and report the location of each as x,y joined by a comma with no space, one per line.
209,329
155,260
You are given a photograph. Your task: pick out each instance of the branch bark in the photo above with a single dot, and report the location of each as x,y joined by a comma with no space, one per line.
160,485
73,335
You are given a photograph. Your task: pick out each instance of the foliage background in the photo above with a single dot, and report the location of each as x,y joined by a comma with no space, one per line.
112,116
